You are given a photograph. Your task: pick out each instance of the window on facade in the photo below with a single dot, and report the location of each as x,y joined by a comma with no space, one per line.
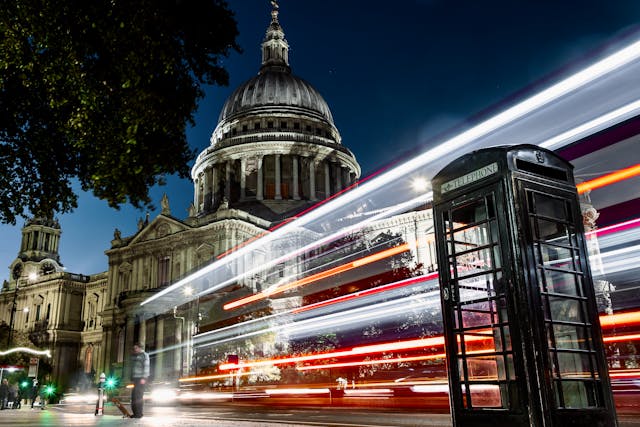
38,312
48,311
281,270
296,125
256,126
163,271
270,125
244,128
283,125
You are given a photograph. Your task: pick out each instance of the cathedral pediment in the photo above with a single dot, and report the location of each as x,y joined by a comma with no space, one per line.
161,226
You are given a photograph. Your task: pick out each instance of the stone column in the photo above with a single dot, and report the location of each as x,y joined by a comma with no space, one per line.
196,187
128,346
312,179
159,368
206,197
177,355
243,178
296,190
338,178
106,356
227,179
278,195
142,331
327,181
214,185
260,191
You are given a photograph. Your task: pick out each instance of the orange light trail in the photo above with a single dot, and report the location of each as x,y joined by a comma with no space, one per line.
214,377
616,338
318,276
609,179
366,292
626,373
355,351
620,319
372,362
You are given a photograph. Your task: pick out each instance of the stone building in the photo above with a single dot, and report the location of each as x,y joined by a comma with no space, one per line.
275,151
58,310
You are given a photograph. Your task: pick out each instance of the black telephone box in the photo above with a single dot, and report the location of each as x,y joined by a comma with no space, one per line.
523,338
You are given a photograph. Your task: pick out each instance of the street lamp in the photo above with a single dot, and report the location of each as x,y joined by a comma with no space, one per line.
13,315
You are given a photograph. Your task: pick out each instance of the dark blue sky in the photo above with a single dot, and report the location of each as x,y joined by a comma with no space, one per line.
395,74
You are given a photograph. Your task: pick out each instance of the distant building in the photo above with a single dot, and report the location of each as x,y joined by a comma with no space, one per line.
59,311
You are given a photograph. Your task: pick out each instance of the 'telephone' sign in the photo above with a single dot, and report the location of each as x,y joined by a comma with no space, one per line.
469,178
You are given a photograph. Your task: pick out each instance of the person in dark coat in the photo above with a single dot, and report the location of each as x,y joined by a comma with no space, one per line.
4,393
140,369
13,395
34,392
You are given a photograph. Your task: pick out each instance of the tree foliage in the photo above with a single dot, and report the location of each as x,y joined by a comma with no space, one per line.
102,91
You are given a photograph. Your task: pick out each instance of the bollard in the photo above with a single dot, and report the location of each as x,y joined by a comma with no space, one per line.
100,402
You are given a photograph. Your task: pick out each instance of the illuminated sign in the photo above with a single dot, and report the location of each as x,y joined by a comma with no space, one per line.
470,178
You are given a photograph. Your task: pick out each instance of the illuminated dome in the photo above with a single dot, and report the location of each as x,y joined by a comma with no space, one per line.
275,149
276,89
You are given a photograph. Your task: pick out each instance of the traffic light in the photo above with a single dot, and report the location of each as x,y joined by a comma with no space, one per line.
111,383
49,390
24,384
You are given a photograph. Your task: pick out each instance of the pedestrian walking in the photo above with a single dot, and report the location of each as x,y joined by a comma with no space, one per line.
34,391
19,397
4,393
139,374
13,396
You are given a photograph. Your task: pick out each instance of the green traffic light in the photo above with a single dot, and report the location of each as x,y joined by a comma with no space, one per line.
111,382
49,390
24,384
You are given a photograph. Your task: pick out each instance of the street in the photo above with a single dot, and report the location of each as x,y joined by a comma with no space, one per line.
249,416
231,416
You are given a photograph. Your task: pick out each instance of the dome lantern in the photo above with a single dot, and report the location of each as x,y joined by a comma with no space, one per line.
275,49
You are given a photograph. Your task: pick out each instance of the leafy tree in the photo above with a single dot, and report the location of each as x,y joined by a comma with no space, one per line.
102,91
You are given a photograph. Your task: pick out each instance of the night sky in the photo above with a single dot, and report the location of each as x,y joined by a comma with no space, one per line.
395,75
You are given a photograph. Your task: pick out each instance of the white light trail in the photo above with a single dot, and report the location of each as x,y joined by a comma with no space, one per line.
562,89
392,210
26,350
599,123
312,326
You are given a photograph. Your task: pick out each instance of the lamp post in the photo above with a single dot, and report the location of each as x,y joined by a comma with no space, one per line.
14,306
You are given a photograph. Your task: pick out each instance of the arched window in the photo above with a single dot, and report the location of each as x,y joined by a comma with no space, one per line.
88,359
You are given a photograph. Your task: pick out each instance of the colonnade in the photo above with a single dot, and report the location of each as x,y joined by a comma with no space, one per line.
270,177
167,353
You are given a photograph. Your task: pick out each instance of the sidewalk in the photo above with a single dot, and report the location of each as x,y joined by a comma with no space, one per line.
56,416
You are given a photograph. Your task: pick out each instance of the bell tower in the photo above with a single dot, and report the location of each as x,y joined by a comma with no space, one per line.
38,254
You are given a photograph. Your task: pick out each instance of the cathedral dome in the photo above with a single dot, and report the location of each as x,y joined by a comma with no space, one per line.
275,150
277,89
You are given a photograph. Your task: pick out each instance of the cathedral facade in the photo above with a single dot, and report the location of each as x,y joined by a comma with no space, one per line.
275,152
